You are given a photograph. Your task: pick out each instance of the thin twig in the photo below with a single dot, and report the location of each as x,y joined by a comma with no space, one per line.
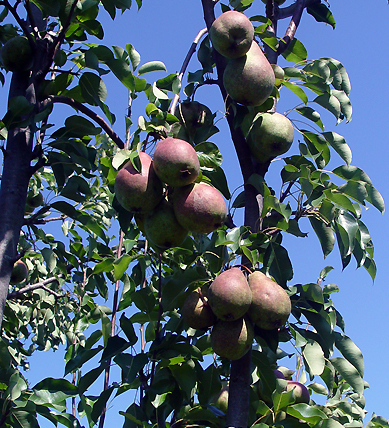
88,112
292,27
21,23
39,285
189,55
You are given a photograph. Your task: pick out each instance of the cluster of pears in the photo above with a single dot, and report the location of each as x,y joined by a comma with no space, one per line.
164,196
249,79
232,305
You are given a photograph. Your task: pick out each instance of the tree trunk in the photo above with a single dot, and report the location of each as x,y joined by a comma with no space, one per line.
13,192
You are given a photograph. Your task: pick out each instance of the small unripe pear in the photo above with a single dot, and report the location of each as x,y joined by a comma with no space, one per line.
19,272
300,391
221,399
196,310
16,54
162,228
232,339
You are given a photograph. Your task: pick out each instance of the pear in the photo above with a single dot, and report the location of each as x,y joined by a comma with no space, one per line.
300,391
193,115
162,228
17,55
231,34
138,191
175,162
232,339
270,307
19,272
220,400
279,74
196,310
229,295
199,207
249,80
271,135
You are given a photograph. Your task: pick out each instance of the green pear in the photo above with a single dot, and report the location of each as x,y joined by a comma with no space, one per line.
193,115
138,191
17,55
270,307
300,391
34,201
271,135
231,34
162,228
176,162
19,272
199,207
229,295
232,339
220,400
196,310
249,80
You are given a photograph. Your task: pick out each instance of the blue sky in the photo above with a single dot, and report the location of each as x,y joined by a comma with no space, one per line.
164,30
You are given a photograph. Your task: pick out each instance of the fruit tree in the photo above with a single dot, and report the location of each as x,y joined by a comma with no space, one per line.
122,244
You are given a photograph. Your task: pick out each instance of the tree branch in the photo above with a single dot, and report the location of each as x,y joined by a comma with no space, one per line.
184,66
292,27
42,285
88,112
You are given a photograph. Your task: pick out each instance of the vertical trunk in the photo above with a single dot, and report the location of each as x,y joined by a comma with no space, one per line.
14,185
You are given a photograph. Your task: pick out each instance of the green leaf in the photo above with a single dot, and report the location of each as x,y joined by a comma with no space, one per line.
115,346
314,358
151,66
306,413
120,266
311,114
218,179
295,52
350,351
278,264
330,103
209,384
338,143
324,233
128,329
345,103
131,365
349,373
100,404
321,13
133,55
93,88
297,90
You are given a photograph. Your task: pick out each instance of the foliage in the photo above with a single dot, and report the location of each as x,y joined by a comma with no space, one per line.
64,301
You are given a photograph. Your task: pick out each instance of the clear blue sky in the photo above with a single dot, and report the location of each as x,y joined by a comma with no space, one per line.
164,30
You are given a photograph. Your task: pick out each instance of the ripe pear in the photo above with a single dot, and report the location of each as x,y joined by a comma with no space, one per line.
19,272
232,339
249,79
138,191
17,55
300,391
229,295
196,310
175,162
271,135
162,228
199,207
193,115
231,34
271,306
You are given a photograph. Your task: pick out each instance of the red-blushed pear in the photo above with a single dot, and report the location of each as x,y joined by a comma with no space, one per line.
300,391
270,307
232,339
17,55
19,272
249,80
271,135
231,34
229,295
199,207
175,162
196,310
138,192
162,228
